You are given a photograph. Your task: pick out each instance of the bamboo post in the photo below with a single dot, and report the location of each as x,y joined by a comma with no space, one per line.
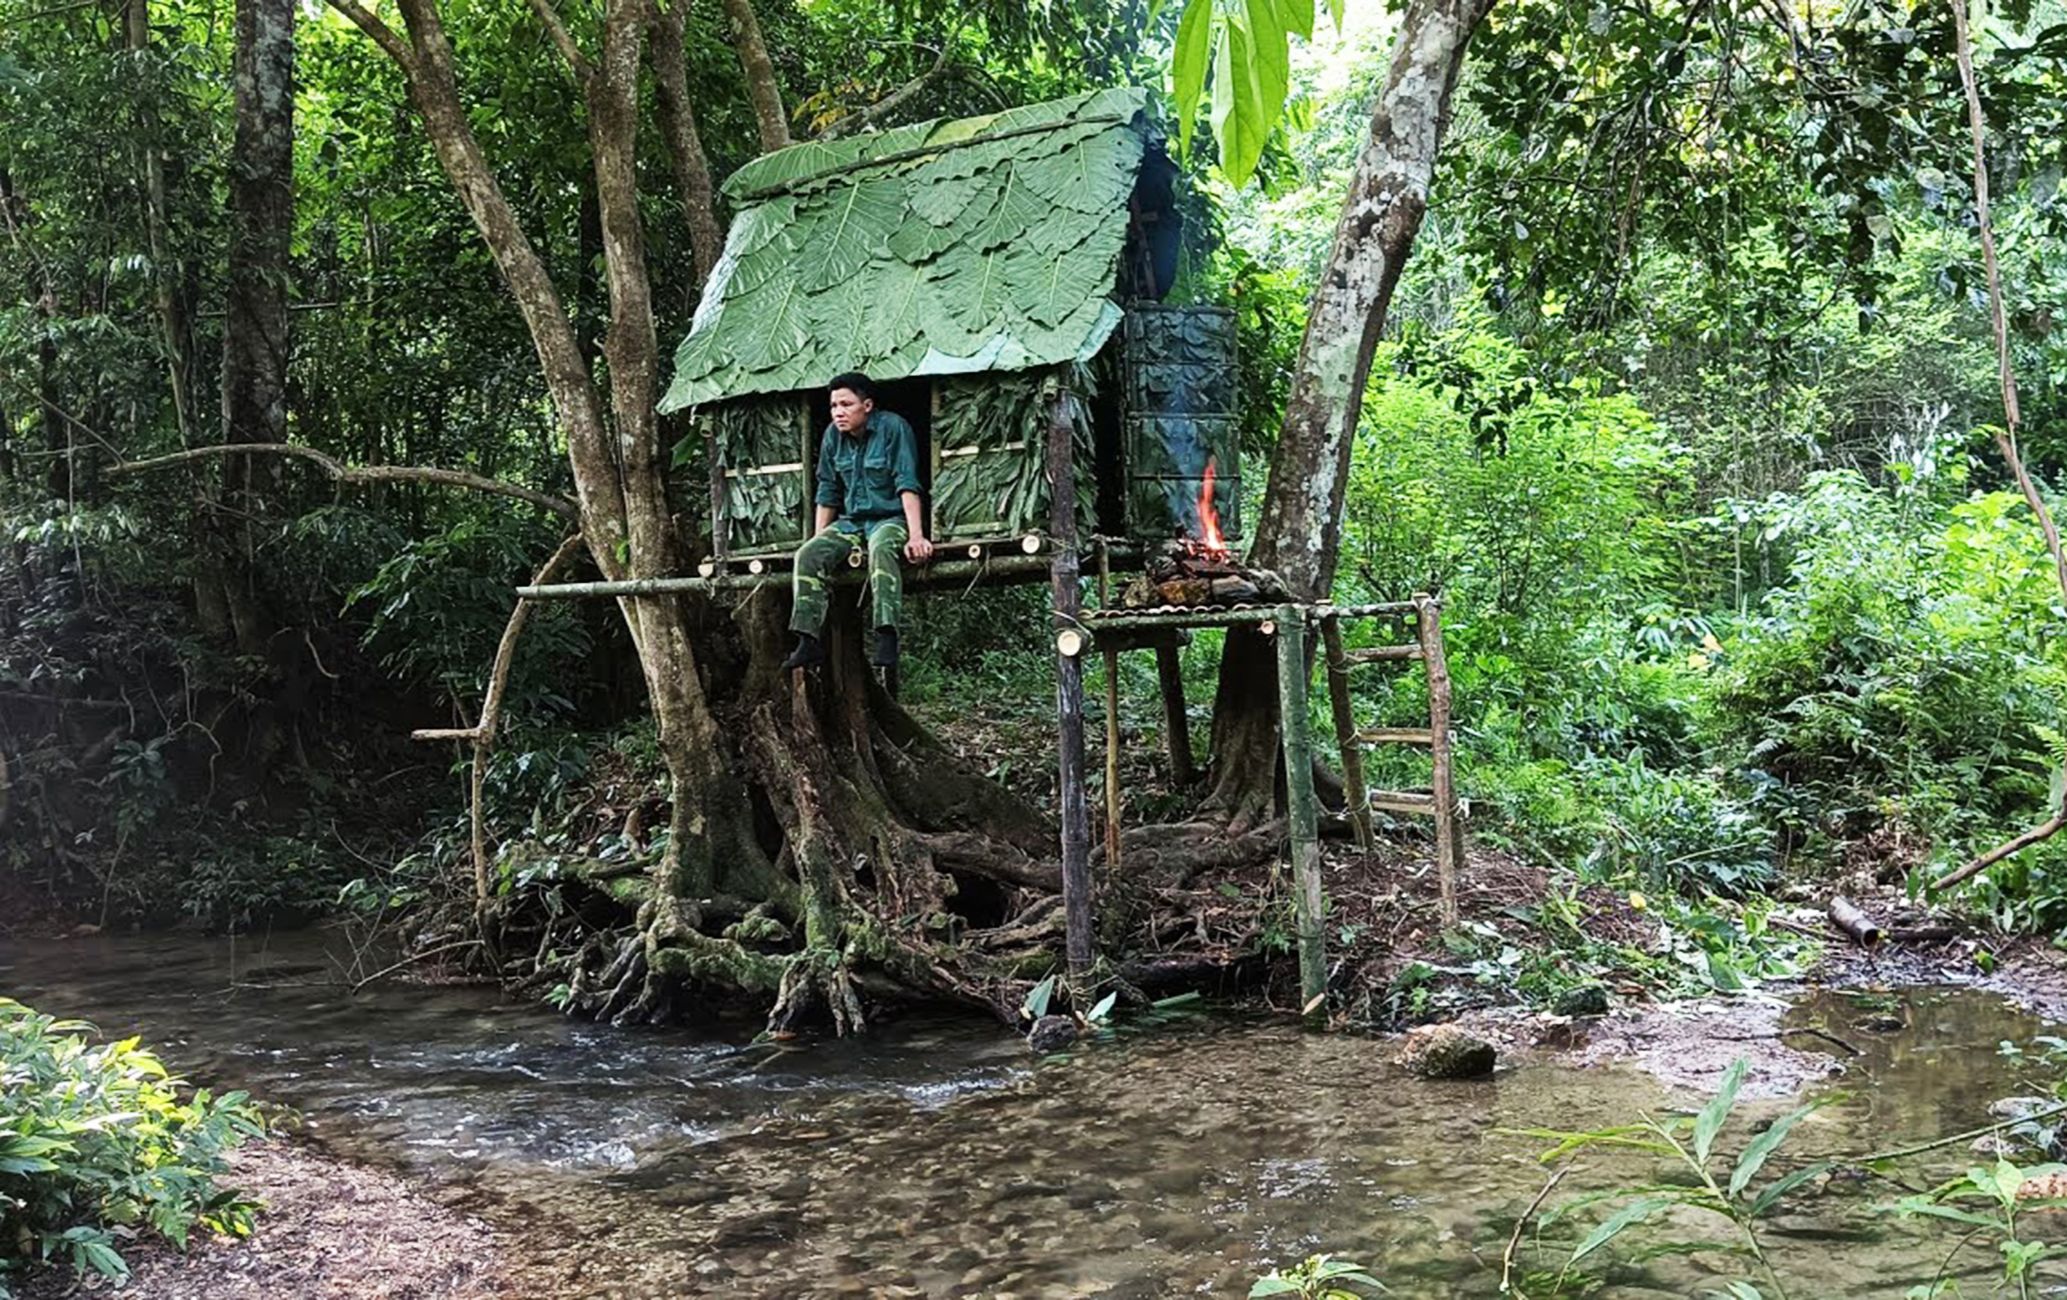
721,536
1356,790
1069,689
1112,760
1303,812
1448,843
1176,727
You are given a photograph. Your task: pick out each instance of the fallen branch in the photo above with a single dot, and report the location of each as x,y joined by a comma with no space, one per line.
1514,1239
1899,1153
360,475
2005,437
413,959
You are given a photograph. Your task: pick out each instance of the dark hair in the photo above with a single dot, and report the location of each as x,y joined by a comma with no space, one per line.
856,383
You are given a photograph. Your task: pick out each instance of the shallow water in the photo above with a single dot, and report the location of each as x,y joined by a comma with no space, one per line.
935,1158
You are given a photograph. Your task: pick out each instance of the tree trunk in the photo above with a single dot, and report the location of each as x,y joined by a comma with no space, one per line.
761,86
255,343
678,130
175,320
619,472
1298,535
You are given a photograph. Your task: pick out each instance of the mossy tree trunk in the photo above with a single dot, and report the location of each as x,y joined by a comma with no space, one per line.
1299,533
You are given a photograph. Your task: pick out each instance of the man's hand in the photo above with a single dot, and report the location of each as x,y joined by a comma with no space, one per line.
918,550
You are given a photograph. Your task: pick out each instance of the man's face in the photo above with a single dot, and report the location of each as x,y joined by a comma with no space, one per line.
850,410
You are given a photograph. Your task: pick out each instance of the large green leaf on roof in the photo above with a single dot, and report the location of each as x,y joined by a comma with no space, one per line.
1084,180
1051,285
1015,211
988,244
850,227
777,310
816,157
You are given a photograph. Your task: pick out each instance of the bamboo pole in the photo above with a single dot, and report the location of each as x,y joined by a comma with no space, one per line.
936,574
1112,718
1448,843
1069,690
1302,810
1112,759
1176,726
1355,789
1230,615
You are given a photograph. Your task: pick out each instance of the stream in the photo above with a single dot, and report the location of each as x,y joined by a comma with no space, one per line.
936,1158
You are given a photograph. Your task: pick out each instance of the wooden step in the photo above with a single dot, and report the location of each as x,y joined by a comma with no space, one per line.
1383,653
1397,736
1403,801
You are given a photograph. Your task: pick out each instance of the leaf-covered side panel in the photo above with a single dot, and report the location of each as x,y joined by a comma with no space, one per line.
991,432
762,451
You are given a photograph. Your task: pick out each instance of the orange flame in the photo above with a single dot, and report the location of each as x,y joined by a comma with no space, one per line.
1209,518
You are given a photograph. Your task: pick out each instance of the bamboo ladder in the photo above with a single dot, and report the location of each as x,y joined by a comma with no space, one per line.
1440,800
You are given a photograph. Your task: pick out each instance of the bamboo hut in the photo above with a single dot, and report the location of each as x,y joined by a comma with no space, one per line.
970,267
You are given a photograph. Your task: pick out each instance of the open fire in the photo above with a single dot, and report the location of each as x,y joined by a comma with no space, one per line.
1200,569
1208,543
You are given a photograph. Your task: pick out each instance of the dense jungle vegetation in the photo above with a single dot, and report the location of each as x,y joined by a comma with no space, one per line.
1683,404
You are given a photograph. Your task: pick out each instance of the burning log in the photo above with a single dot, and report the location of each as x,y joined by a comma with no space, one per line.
1201,570
1186,573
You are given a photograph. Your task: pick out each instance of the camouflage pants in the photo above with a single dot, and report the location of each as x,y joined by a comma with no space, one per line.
826,554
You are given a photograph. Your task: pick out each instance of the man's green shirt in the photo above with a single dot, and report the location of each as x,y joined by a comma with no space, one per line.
861,475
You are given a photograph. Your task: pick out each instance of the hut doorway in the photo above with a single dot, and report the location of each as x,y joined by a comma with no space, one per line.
910,398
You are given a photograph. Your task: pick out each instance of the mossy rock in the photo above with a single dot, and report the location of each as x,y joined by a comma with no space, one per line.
1586,1000
1446,1052
1052,1034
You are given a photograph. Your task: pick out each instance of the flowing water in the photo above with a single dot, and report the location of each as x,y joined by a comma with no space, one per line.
936,1158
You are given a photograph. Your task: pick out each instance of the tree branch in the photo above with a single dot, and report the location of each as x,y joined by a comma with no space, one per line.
896,99
383,35
562,38
679,132
482,733
2012,417
359,475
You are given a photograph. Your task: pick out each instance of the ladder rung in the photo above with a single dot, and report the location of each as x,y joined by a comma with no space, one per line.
1397,736
1380,653
1404,801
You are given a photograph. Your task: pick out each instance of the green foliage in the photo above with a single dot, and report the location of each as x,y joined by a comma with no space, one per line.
437,607
1319,1277
1689,1144
1989,1201
1248,46
97,1141
1907,669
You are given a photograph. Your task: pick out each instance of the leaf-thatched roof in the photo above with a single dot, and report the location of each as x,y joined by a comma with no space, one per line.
944,248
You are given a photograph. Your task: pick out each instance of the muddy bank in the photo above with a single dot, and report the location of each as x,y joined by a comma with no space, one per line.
327,1230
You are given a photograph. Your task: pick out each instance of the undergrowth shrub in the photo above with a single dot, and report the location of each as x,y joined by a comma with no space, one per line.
97,1147
1907,667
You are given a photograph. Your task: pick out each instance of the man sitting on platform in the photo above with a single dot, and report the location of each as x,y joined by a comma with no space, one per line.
868,499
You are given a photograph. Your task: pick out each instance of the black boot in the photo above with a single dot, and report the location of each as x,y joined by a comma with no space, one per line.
885,653
808,654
